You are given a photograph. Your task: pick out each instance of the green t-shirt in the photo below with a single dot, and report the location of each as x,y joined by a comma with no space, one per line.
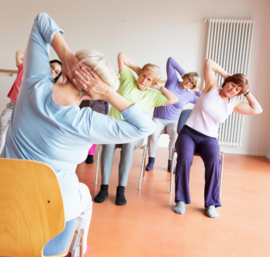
129,90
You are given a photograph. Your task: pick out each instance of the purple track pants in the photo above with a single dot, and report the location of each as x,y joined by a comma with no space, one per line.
187,143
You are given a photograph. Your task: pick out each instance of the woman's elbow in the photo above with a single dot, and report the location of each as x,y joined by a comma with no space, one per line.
149,127
171,101
259,111
120,56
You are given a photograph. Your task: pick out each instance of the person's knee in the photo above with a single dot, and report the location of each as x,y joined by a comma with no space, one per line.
184,157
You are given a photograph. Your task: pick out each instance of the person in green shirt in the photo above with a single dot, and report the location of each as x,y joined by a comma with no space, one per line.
145,92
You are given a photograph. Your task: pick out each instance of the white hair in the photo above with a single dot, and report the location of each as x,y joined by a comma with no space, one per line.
100,64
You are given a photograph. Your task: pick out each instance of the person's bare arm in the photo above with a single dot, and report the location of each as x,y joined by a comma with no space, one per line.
210,68
123,61
171,97
19,58
71,66
250,108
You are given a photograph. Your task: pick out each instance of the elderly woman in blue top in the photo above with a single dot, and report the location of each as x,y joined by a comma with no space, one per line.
166,117
47,124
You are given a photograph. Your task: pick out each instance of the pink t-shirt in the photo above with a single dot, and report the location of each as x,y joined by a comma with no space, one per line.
210,111
13,93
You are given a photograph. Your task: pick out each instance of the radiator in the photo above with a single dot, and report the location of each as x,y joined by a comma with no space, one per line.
229,44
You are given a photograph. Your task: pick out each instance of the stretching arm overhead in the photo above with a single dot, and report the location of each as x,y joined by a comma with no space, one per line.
210,68
19,58
172,67
123,61
250,108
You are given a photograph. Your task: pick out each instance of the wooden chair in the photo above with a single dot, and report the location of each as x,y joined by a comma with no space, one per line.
181,122
144,157
32,211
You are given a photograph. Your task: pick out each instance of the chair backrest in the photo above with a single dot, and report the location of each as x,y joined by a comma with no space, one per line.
183,119
31,207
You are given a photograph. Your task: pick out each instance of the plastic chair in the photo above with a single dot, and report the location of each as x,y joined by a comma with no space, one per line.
32,212
181,122
144,157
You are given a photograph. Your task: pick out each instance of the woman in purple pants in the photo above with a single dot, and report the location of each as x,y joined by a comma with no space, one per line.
201,131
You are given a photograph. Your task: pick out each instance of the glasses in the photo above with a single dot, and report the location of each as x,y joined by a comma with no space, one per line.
189,81
53,68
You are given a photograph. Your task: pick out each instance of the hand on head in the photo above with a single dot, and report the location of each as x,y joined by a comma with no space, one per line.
96,88
72,68
156,86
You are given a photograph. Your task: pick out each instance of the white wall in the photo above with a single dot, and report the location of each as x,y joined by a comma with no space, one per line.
147,31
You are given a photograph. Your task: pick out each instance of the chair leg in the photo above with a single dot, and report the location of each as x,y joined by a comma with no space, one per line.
171,182
97,164
81,244
145,159
142,167
221,173
78,243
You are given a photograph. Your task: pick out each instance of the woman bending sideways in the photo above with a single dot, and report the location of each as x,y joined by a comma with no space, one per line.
200,133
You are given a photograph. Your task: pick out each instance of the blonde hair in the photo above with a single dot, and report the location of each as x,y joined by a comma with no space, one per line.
154,69
196,78
100,64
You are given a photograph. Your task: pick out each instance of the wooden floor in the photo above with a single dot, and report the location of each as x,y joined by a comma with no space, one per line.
147,225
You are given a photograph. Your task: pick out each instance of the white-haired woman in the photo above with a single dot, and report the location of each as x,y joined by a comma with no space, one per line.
48,125
166,117
136,91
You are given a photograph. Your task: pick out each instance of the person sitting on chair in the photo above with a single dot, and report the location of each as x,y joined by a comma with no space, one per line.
136,91
47,124
199,134
166,117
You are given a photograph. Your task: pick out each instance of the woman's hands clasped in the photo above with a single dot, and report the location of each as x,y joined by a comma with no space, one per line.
72,69
95,87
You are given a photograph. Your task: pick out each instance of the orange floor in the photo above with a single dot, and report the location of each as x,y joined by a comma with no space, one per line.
147,225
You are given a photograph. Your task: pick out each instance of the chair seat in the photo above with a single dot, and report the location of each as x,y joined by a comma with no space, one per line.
61,242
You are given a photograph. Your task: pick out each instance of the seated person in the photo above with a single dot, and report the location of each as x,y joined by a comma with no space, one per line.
136,91
200,133
166,117
47,124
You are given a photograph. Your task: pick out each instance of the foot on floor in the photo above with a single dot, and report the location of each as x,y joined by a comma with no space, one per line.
211,211
100,197
120,196
150,165
180,207
89,159
169,166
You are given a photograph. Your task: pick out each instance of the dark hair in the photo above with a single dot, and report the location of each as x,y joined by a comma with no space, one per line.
238,79
60,63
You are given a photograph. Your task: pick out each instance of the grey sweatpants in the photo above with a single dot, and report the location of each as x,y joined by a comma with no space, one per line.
124,165
168,126
6,115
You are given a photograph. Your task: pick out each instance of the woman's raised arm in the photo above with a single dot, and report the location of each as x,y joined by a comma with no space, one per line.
123,61
251,108
171,68
45,32
210,68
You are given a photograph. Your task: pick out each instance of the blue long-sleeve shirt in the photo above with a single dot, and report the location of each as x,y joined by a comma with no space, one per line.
58,135
172,112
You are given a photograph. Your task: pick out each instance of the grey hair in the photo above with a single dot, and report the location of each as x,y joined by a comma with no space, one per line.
100,64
